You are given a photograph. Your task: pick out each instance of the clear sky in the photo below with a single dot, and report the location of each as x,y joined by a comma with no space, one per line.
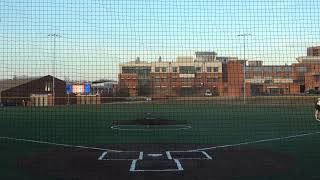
97,35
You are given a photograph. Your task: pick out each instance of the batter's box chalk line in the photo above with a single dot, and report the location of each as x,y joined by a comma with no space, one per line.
153,163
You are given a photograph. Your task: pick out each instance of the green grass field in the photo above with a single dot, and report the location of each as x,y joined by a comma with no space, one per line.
212,123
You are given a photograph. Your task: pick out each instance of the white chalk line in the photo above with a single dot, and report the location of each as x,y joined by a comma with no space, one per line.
203,153
59,144
133,165
179,166
102,155
141,155
200,149
207,155
258,141
168,155
159,128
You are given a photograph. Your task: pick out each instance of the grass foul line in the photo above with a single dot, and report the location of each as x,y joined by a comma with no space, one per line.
258,141
58,144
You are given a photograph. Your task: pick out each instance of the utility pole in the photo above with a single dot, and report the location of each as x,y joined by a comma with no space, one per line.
244,36
54,36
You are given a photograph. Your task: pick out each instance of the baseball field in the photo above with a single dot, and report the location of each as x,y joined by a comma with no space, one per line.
185,138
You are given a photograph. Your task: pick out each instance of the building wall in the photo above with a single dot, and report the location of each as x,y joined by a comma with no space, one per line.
128,85
171,84
22,92
167,79
313,51
235,79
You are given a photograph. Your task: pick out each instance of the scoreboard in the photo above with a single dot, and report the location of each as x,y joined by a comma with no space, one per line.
79,88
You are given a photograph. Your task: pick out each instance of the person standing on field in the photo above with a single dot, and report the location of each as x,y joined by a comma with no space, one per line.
317,110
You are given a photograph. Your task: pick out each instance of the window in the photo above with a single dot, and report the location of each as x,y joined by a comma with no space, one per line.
198,69
302,69
277,69
257,69
187,69
287,69
209,69
164,69
48,86
157,69
174,69
210,80
267,69
174,80
164,80
157,80
186,79
215,69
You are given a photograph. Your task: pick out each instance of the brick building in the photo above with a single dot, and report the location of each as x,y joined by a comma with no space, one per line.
313,51
192,76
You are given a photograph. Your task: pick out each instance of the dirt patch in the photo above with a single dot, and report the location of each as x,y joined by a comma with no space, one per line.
229,163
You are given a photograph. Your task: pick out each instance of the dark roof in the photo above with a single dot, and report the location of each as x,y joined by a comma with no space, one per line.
201,53
10,83
103,81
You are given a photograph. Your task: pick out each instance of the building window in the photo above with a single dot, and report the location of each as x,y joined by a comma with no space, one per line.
209,69
164,69
287,69
48,86
277,69
174,69
302,69
164,80
157,69
187,79
215,69
187,69
211,80
198,69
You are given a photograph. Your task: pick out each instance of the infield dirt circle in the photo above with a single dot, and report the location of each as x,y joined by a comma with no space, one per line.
157,161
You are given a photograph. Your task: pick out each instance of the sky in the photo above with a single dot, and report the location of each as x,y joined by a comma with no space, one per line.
97,35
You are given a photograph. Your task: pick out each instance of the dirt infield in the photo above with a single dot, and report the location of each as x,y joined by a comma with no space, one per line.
157,161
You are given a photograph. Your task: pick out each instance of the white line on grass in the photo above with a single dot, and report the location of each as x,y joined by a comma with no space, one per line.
200,149
59,144
258,141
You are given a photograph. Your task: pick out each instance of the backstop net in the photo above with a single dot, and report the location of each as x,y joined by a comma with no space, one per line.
141,88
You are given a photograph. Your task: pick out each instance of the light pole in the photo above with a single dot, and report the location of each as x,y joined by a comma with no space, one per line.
244,36
54,36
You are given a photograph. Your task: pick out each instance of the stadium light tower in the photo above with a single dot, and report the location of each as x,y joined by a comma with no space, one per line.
244,36
54,36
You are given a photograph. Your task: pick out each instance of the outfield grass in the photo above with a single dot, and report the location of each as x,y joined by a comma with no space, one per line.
212,123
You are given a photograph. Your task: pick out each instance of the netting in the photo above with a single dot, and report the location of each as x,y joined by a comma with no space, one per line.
134,89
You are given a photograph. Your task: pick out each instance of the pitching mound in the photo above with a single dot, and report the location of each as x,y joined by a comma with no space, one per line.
157,161
149,122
